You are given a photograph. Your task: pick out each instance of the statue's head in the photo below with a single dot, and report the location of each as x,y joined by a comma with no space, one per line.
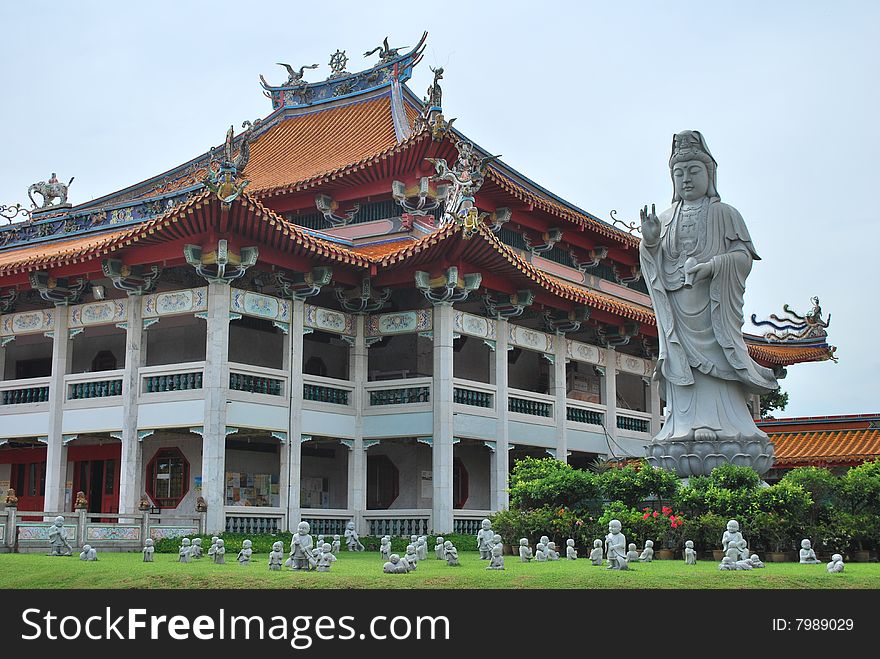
185,542
614,526
59,521
540,546
692,167
597,543
320,537
754,558
410,549
350,525
523,542
649,543
87,548
326,547
394,558
689,544
805,544
302,528
632,546
569,542
214,539
496,539
733,526
277,546
545,540
148,542
837,558
336,537
727,560
486,524
447,544
247,544
439,540
198,541
219,543
414,539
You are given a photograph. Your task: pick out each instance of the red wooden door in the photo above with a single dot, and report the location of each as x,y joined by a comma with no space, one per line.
99,481
28,479
110,496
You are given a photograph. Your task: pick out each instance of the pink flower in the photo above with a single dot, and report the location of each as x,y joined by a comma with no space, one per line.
666,510
655,514
645,516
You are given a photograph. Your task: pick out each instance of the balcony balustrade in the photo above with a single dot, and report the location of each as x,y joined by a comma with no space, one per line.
22,392
530,404
633,421
105,384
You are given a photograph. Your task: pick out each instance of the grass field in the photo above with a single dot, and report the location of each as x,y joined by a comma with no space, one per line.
127,570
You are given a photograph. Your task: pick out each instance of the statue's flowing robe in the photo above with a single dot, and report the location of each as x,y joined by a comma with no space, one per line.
704,367
616,545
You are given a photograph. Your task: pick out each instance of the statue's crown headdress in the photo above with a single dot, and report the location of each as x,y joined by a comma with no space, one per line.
690,145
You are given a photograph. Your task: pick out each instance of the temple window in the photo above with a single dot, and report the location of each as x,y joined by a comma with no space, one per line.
168,477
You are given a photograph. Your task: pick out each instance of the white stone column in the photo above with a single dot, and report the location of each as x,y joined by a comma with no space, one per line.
285,446
654,405
501,457
215,388
357,458
294,434
56,452
609,392
559,389
441,397
131,470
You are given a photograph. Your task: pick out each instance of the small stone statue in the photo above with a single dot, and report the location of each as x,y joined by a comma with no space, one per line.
451,554
88,554
144,504
213,546
336,545
385,547
541,552
276,556
326,559
301,552
185,551
244,556
525,552
755,561
351,538
648,552
201,505
148,550
632,554
836,564
596,553
411,557
196,548
552,554
807,554
727,563
439,551
319,544
570,552
733,543
81,502
58,538
220,553
497,560
11,499
422,548
690,554
615,542
545,541
484,540
395,565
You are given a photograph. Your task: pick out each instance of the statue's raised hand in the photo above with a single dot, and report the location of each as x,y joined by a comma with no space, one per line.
650,226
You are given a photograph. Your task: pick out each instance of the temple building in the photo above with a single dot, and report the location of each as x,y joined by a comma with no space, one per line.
348,310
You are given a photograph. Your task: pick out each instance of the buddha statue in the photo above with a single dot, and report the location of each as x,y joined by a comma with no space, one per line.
183,553
541,552
301,549
756,562
690,554
411,556
336,545
596,553
525,552
695,258
244,556
807,554
615,547
422,548
88,553
497,560
276,556
220,553
148,550
439,550
451,554
385,547
647,554
484,539
570,552
58,542
552,554
632,554
836,564
352,541
395,566
326,559
732,542
196,548
213,546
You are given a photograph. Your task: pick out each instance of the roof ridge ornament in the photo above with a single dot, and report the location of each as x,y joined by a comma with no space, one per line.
431,117
50,190
793,326
338,61
9,213
225,181
386,54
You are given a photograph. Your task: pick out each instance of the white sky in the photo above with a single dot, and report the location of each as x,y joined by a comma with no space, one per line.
582,97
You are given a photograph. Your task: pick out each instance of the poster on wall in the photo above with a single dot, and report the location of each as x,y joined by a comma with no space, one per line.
427,485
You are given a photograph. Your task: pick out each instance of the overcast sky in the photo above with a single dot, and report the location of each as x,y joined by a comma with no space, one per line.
582,97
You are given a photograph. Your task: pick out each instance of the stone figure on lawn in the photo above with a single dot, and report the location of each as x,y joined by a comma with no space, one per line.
439,550
352,541
497,560
695,258
196,548
385,547
484,539
648,552
183,553
836,564
411,557
733,543
596,553
220,553
807,553
395,566
244,556
451,554
58,542
88,554
213,546
336,545
570,552
148,550
615,547
525,552
552,554
301,553
756,561
276,556
541,552
690,554
632,554
326,559
422,548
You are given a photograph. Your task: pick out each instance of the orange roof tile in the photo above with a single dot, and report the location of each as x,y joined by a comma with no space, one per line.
34,257
377,251
828,447
783,355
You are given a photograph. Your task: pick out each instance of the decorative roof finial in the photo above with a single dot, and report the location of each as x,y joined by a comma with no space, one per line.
465,179
224,181
294,77
386,54
50,190
795,327
338,60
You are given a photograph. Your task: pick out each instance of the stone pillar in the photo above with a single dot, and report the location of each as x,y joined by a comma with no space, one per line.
654,405
131,470
441,396
609,392
501,458
56,451
2,363
357,457
215,388
294,434
559,389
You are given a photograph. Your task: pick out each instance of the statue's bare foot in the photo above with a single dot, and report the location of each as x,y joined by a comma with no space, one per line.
705,435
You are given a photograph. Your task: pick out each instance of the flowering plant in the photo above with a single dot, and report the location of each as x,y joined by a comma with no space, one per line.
664,525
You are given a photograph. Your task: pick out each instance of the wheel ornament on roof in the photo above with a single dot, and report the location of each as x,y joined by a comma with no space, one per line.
338,60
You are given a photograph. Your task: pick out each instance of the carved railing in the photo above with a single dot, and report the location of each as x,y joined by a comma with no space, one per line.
397,523
473,394
530,403
413,393
256,384
94,385
326,523
326,390
467,522
254,522
587,413
172,378
633,421
22,392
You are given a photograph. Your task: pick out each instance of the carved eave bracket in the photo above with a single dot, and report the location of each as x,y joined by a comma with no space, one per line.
549,238
591,259
8,300
651,351
562,322
626,274
222,265
508,306
328,207
135,279
364,298
303,285
617,336
419,200
447,288
498,219
59,291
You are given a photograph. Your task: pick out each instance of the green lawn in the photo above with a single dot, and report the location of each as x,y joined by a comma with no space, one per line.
124,570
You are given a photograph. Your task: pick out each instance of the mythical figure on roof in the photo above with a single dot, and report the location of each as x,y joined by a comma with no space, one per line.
225,181
696,257
793,326
295,77
50,191
386,54
464,178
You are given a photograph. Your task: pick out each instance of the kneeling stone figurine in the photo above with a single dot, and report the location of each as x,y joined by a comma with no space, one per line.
88,554
570,552
552,554
497,560
451,554
836,564
540,552
244,556
395,566
326,559
648,552
807,554
525,552
596,553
